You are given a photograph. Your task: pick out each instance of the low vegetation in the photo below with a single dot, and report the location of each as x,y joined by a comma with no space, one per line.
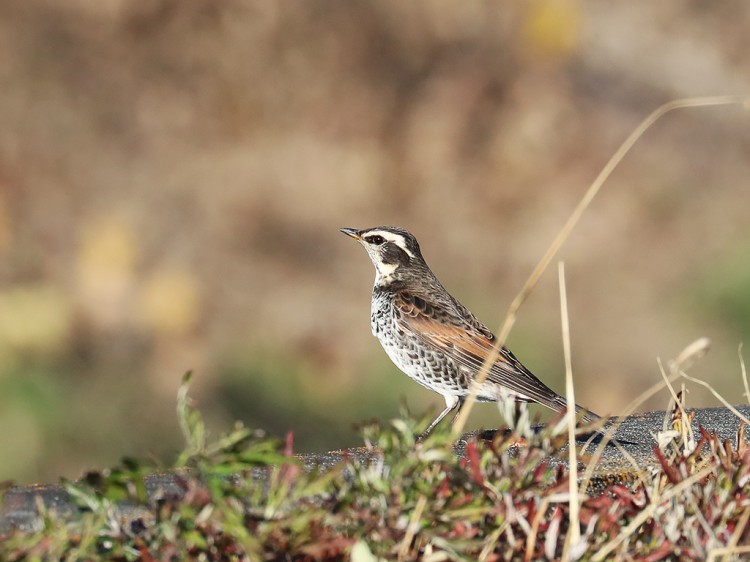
246,497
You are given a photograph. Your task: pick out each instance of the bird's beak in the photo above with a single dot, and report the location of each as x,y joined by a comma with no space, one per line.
353,232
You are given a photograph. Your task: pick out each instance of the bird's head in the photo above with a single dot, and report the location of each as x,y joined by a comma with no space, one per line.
394,252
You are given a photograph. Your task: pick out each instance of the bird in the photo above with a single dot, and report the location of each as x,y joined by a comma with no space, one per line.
433,338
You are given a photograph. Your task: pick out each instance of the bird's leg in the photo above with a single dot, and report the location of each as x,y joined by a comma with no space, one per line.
450,403
458,408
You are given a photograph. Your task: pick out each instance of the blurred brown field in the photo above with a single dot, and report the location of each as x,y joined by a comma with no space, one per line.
173,174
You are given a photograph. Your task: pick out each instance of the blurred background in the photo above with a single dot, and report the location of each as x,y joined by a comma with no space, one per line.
173,175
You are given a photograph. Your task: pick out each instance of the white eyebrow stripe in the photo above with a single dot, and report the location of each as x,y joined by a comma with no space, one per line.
397,239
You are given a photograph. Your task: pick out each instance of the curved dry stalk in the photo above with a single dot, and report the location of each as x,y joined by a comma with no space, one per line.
571,223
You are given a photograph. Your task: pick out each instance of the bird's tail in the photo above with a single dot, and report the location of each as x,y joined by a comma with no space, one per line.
586,415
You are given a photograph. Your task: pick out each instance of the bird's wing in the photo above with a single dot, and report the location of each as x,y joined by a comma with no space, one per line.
454,331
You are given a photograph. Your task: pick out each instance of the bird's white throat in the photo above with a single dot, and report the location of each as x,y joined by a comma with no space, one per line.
384,272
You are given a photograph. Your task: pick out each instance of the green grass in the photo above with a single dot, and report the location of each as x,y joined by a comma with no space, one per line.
499,502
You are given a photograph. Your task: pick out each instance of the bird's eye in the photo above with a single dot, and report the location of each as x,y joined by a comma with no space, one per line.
376,240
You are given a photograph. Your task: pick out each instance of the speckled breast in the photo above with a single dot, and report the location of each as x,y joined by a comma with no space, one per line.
422,362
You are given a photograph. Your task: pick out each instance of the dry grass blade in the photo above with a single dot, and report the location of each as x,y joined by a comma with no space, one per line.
728,553
492,541
721,399
689,355
541,512
739,530
571,223
678,400
574,529
744,373
412,528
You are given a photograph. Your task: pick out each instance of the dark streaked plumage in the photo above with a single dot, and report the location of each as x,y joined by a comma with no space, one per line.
432,337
